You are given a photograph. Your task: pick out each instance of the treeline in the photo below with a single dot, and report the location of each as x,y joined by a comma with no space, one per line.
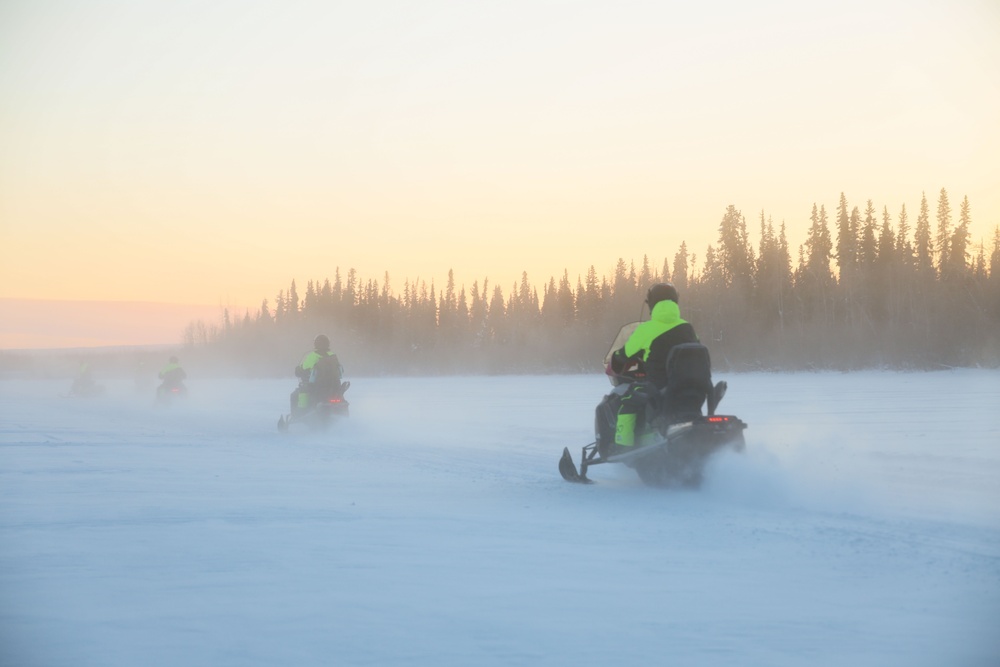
866,289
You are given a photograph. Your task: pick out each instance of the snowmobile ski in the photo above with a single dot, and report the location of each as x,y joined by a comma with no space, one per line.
568,469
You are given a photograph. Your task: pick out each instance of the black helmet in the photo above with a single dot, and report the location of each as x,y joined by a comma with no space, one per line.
321,343
661,292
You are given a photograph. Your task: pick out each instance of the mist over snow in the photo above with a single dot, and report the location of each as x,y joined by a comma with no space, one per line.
861,526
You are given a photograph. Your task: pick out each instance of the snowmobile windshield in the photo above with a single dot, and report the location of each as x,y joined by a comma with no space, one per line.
623,335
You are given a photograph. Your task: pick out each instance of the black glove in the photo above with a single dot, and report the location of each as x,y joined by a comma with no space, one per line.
619,362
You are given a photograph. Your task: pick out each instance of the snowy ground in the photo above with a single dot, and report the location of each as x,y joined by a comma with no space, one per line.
861,527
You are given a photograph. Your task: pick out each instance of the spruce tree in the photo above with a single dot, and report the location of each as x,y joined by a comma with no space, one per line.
943,240
819,246
645,277
567,305
846,239
680,267
922,239
868,246
292,304
958,252
734,256
886,241
309,305
904,248
995,256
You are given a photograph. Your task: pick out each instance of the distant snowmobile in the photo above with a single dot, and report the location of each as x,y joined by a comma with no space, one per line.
676,438
319,398
84,386
172,384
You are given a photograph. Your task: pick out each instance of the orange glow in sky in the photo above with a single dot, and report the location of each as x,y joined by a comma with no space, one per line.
209,153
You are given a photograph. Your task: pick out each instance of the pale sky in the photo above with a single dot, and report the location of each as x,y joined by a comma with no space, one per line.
210,152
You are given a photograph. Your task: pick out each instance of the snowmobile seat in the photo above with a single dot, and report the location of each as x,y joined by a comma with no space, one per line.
689,382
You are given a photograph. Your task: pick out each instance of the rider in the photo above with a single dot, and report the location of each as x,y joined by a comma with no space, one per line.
172,375
83,383
310,378
649,344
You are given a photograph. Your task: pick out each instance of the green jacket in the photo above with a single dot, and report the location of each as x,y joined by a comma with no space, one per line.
172,374
307,370
310,359
652,340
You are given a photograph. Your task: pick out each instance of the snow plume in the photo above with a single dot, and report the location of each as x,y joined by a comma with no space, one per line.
816,476
866,443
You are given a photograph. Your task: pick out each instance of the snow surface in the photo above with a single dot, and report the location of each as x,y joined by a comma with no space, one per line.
861,527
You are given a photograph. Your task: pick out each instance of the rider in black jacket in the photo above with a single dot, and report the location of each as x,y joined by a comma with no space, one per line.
649,344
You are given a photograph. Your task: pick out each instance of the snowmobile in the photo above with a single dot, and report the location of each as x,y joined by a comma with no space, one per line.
319,398
85,387
674,437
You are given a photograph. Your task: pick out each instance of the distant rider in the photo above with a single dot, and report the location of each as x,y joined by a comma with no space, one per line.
320,371
648,347
83,383
172,376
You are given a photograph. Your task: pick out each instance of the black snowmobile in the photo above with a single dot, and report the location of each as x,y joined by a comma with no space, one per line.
674,437
319,398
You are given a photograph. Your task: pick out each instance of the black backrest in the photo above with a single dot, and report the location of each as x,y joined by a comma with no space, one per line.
327,374
689,380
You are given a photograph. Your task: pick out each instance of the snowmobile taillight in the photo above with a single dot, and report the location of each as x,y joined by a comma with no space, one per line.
718,419
335,400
